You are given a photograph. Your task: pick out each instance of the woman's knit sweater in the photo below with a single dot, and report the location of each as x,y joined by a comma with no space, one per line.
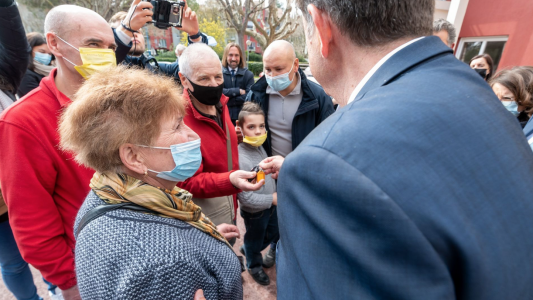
132,255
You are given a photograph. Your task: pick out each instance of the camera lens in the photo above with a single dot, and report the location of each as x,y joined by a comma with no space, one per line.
175,9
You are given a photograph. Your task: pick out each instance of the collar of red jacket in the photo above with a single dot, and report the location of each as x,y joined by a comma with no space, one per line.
223,100
48,85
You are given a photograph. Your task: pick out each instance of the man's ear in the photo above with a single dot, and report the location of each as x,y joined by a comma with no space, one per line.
51,41
185,82
296,65
132,158
323,27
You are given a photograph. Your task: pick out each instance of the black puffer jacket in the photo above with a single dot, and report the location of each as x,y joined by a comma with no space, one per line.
315,107
14,48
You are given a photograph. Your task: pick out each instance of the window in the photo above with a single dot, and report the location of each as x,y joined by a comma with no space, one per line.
251,47
470,47
162,43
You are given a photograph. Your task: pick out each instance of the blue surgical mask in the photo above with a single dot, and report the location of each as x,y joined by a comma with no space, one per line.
43,58
187,157
511,106
280,82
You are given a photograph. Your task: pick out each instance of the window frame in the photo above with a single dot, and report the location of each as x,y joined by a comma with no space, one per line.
483,39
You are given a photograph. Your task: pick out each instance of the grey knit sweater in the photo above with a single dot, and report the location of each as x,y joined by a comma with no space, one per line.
132,255
252,202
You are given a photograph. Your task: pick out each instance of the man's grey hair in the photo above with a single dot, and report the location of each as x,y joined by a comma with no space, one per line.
59,18
180,48
377,22
194,54
442,24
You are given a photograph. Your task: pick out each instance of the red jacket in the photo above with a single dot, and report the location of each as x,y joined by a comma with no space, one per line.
212,179
43,186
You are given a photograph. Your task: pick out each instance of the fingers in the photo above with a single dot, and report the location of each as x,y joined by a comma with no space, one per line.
237,123
187,12
193,16
274,175
199,295
231,235
248,175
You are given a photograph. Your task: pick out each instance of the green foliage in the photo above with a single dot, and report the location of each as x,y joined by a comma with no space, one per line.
216,30
255,67
301,57
193,4
254,57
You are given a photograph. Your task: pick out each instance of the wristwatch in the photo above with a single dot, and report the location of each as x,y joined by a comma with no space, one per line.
194,37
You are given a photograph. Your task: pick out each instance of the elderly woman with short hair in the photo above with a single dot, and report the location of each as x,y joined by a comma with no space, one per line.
138,235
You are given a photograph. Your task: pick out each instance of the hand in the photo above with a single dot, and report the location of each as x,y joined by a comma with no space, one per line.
240,180
272,165
189,22
238,131
243,92
139,14
229,231
275,199
71,294
199,295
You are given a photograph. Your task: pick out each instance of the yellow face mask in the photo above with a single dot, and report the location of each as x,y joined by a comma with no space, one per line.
94,60
255,141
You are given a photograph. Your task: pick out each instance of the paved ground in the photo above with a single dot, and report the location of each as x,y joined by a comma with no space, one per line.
252,290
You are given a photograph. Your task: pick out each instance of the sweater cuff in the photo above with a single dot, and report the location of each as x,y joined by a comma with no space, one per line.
226,187
67,285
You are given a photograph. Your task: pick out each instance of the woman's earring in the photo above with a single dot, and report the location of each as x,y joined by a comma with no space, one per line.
145,173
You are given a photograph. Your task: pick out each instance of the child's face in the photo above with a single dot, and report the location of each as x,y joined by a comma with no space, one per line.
254,125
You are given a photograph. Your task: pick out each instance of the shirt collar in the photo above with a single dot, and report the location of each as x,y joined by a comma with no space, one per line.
236,69
50,84
374,69
296,91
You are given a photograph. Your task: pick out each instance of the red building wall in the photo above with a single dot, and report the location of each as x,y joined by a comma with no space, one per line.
513,18
157,34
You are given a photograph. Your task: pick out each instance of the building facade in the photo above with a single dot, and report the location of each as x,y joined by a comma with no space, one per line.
502,29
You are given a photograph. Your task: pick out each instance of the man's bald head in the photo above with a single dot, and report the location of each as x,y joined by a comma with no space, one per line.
69,28
64,19
281,47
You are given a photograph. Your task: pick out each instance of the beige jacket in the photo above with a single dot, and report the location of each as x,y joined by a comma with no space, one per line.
3,207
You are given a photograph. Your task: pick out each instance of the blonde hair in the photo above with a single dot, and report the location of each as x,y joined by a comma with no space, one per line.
118,17
116,107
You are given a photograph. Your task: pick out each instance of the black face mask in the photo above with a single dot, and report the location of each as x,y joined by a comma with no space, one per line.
482,72
207,95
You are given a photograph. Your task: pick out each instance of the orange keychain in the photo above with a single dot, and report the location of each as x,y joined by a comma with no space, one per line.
260,175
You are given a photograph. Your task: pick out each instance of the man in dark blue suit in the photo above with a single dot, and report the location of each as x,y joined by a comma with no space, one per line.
420,186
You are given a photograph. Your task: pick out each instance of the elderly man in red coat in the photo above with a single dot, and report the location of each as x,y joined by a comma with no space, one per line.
214,185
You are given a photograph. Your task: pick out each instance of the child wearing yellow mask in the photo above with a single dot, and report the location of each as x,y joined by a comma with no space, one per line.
258,209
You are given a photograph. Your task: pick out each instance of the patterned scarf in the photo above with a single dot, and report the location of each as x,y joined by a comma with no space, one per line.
115,188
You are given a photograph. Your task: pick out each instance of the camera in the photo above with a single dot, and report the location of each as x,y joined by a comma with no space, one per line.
167,13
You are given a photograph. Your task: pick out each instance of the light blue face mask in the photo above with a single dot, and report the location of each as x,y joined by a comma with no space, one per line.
43,58
280,82
511,106
187,157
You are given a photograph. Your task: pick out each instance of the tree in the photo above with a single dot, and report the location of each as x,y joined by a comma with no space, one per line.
213,28
105,8
272,20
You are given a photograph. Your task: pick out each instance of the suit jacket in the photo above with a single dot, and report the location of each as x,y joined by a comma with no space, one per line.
244,79
418,189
